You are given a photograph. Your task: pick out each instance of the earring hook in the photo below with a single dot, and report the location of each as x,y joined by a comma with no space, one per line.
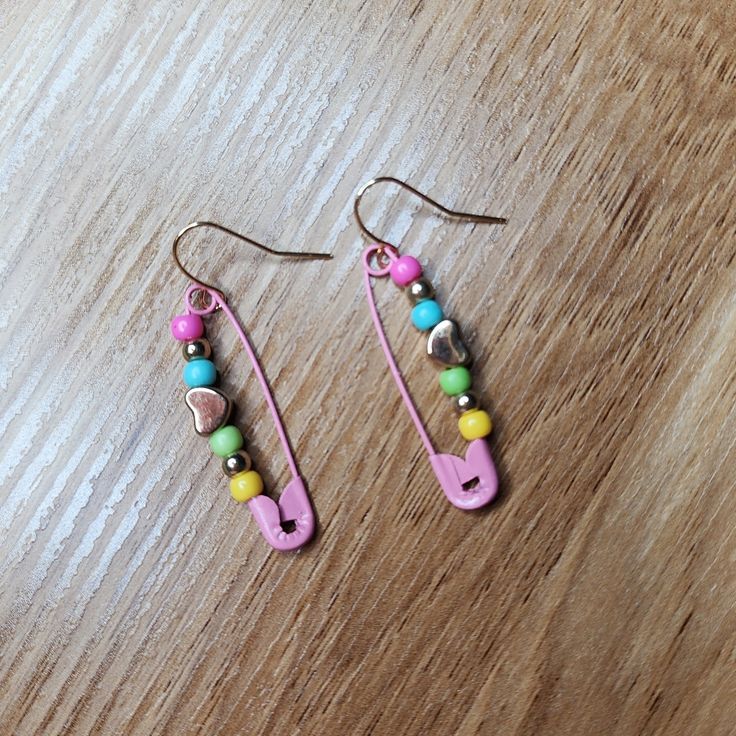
281,253
487,219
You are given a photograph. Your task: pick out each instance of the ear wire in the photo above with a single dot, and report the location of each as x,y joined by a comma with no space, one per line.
304,256
470,217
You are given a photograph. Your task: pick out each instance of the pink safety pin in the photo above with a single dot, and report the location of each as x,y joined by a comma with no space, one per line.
288,523
470,482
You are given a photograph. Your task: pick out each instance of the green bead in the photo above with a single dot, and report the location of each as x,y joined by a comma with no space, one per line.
226,440
456,380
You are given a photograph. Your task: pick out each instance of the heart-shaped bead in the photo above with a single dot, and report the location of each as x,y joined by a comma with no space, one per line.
210,407
446,346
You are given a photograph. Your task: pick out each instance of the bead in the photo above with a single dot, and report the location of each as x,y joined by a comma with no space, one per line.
419,290
405,269
446,346
456,380
200,372
466,401
196,349
210,408
426,315
187,327
238,462
245,486
475,424
226,440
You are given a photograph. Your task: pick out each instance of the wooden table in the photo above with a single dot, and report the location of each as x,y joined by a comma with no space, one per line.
597,596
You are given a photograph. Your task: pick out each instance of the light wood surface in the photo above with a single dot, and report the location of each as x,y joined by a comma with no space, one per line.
597,597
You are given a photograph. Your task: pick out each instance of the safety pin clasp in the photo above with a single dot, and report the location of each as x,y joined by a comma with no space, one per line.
293,509
471,482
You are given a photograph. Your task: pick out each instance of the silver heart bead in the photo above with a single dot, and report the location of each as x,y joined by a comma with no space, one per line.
210,407
446,346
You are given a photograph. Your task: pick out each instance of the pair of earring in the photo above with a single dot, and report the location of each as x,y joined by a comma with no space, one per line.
288,523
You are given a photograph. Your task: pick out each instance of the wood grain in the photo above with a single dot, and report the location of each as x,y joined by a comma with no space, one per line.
598,595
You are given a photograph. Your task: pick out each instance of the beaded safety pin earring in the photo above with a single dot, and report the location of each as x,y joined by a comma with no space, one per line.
471,482
289,523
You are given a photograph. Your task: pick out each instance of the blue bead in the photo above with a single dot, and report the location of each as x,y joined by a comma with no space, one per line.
200,372
427,314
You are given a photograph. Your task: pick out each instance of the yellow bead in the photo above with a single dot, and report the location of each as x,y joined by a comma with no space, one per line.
245,486
475,424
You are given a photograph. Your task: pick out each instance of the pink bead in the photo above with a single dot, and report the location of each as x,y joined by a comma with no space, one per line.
187,327
405,269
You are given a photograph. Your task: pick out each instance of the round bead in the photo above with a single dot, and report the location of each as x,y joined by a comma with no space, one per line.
196,349
466,401
186,327
475,424
226,440
426,315
238,462
405,269
419,290
199,373
245,486
456,380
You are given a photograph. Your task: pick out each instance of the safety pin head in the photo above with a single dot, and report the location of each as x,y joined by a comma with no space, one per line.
468,483
293,509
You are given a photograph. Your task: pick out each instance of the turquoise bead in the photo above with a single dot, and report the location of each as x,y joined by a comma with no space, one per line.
200,372
426,315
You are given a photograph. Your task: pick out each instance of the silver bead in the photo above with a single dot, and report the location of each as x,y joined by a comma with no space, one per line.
196,349
238,462
210,408
465,402
445,345
420,290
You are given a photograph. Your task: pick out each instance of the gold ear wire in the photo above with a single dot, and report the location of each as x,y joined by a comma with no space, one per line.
487,219
281,253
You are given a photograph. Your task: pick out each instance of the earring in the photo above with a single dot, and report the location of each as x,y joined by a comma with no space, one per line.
471,482
289,523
